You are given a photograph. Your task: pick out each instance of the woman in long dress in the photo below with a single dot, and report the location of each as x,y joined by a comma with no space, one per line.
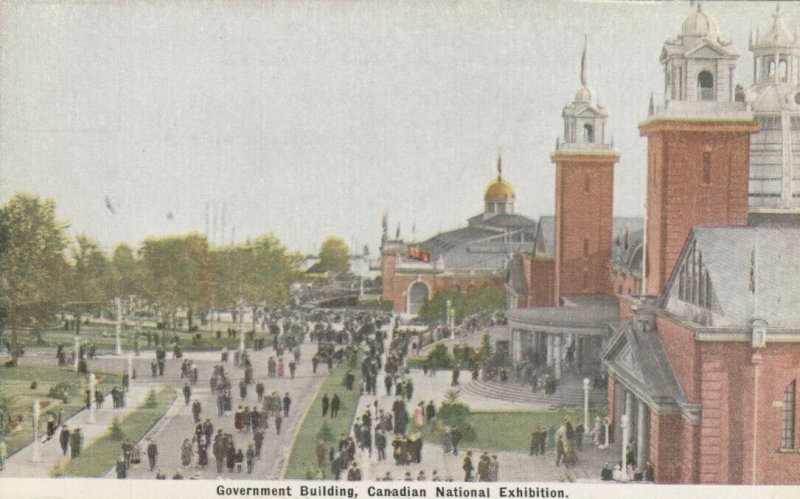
186,452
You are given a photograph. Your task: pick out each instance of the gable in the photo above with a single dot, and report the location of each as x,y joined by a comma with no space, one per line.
707,50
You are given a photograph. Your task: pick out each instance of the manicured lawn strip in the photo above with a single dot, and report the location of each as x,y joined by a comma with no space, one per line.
302,457
16,382
100,455
509,431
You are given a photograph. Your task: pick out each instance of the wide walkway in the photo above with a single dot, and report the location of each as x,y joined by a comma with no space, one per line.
21,463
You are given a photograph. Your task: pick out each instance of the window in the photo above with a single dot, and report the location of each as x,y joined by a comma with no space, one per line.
694,283
705,86
783,70
586,247
787,417
706,174
588,134
771,69
587,182
585,280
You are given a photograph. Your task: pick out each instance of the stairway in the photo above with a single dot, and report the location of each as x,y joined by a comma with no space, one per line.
569,394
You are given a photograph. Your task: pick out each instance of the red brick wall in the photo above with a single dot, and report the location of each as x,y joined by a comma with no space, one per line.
665,445
677,196
395,285
583,217
679,345
610,407
625,309
624,284
542,280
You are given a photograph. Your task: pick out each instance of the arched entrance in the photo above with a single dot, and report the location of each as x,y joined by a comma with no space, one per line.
417,297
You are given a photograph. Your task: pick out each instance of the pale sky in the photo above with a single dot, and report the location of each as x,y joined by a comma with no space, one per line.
314,118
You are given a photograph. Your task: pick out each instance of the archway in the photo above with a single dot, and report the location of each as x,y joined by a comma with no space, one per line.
417,297
705,85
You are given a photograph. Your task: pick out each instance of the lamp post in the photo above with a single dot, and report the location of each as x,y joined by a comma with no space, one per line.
586,404
625,437
118,326
36,457
130,368
606,423
77,351
91,399
241,327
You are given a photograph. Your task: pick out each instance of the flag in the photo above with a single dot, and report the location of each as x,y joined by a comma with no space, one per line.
397,232
385,222
583,62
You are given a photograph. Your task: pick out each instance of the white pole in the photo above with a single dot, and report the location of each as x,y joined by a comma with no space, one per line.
625,439
36,457
118,326
77,351
130,370
586,404
241,328
606,423
91,399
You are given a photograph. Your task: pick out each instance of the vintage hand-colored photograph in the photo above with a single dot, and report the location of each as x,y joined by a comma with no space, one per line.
421,249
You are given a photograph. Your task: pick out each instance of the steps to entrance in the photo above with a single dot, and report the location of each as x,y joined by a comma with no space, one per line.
566,396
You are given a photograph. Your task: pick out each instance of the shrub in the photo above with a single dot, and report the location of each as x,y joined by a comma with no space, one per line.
116,429
59,391
455,414
151,401
325,434
438,357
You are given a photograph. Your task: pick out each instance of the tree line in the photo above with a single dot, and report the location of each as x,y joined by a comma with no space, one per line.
43,272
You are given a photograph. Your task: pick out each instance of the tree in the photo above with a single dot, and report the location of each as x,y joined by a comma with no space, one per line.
334,255
435,310
126,271
90,277
32,266
485,299
257,273
178,271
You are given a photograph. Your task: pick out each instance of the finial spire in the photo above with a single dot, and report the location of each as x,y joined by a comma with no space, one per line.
499,166
583,61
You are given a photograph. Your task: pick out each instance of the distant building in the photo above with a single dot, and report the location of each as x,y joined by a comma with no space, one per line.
465,259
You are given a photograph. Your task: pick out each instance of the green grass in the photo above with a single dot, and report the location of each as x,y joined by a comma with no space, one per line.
302,458
100,455
508,431
15,383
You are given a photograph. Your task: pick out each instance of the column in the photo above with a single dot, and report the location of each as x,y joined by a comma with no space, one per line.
548,342
557,356
36,457
641,435
241,328
130,369
91,399
117,326
625,438
586,404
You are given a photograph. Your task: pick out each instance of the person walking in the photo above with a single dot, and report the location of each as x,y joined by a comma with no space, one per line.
278,422
468,467
325,405
152,454
186,452
335,404
63,439
258,440
187,393
287,402
196,409
250,456
120,468
75,443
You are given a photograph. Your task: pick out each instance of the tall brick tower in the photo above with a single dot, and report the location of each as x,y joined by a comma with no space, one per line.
698,145
584,163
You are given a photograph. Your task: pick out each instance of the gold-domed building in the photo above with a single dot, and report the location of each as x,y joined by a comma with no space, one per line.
467,258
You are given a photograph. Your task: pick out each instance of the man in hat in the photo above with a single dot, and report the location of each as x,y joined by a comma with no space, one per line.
152,454
63,439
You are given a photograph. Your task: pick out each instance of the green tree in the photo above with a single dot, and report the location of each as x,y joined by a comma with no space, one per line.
126,271
333,256
485,299
435,310
32,265
90,276
178,271
256,273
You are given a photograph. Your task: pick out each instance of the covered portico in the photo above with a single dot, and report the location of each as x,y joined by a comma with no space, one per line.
557,338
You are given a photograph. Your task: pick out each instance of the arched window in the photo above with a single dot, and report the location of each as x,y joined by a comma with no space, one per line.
705,85
787,417
771,69
588,134
783,70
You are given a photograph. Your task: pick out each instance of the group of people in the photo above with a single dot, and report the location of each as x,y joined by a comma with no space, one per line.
566,441
488,468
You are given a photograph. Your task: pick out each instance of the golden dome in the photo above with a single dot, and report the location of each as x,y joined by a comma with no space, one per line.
498,190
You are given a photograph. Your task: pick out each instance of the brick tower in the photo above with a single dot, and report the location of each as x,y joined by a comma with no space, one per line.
698,146
584,193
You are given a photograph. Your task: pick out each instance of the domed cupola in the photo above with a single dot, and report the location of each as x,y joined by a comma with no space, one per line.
499,196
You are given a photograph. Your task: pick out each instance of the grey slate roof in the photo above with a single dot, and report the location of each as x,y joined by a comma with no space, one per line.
546,236
503,220
597,316
516,277
727,253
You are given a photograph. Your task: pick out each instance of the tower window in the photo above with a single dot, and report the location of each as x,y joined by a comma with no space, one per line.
787,417
705,86
587,182
771,70
783,68
588,134
586,247
706,174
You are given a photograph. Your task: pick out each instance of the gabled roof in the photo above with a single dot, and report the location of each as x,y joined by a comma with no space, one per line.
635,357
546,236
753,271
502,220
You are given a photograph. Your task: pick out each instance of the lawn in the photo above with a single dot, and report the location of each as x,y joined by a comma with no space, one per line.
302,459
15,383
509,431
100,455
